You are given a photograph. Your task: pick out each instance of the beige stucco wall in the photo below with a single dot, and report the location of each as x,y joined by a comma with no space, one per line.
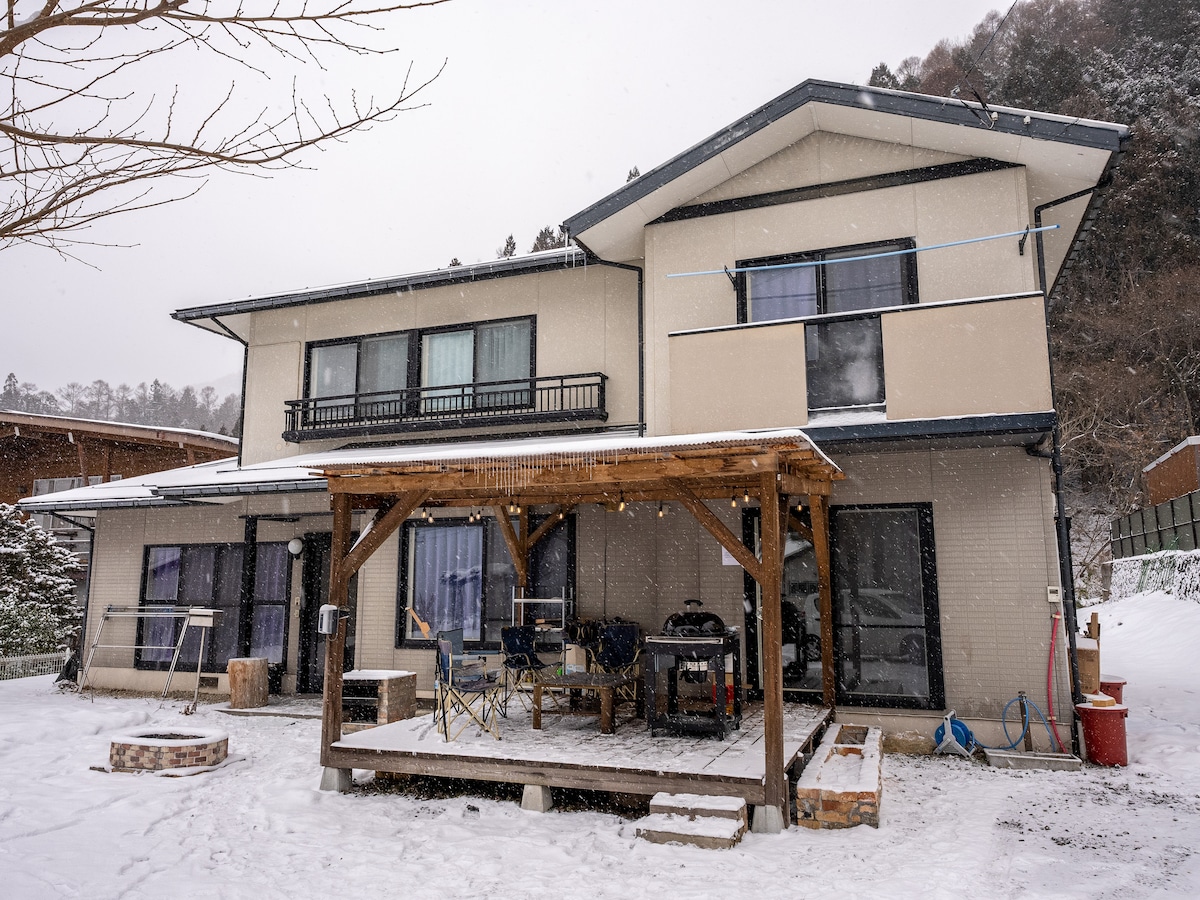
586,321
993,519
934,212
968,359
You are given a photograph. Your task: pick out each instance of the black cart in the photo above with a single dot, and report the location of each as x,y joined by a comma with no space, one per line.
695,659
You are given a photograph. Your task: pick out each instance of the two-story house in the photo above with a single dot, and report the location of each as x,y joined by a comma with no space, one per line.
834,309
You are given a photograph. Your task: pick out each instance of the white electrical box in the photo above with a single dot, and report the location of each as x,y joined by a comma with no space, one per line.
1054,594
327,619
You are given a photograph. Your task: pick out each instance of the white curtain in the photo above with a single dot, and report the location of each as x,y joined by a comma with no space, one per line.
446,578
447,358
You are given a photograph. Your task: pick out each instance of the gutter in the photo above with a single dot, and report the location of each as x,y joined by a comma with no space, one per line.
591,257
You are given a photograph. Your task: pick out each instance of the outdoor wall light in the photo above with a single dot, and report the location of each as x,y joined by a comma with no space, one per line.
295,546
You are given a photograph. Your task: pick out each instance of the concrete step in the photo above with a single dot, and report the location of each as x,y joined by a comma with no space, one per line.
709,832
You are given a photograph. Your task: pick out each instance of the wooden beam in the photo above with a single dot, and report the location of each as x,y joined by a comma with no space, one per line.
819,510
771,582
714,526
542,530
516,549
800,486
335,644
387,520
794,524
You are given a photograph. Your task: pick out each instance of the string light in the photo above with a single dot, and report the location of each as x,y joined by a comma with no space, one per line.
660,510
621,505
746,497
733,502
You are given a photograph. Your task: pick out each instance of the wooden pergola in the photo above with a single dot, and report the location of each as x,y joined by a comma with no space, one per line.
777,468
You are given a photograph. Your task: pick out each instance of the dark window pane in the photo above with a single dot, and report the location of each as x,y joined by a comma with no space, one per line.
844,363
781,294
864,283
383,366
880,603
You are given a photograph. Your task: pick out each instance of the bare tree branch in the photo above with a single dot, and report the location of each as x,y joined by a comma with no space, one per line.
91,118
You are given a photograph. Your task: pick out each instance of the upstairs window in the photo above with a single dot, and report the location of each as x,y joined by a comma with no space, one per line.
481,364
844,356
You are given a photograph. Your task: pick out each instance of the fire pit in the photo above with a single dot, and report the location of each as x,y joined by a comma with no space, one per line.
160,747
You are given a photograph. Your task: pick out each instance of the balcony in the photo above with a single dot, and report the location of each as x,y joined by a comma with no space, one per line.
978,357
533,401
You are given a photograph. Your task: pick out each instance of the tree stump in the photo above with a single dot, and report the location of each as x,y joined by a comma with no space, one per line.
248,683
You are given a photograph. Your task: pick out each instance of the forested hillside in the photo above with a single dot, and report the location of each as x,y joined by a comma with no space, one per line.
156,403
1125,319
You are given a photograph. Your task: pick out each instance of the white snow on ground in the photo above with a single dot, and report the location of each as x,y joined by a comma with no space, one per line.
259,828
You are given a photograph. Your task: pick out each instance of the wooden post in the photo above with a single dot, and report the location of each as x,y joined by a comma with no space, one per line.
771,584
331,708
818,507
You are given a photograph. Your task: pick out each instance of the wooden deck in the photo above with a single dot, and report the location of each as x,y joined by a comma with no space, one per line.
572,753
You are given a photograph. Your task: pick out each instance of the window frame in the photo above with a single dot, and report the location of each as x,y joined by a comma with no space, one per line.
245,610
402,638
416,343
909,275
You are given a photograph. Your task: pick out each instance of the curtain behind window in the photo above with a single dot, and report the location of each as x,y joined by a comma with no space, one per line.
446,577
162,588
864,283
781,294
503,353
447,358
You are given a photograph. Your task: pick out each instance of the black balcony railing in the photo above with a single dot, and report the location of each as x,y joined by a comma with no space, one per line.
562,398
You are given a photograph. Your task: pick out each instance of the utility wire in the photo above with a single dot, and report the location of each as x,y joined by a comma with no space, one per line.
954,91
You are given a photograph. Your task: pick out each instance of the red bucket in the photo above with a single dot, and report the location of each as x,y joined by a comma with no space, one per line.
1114,686
1104,733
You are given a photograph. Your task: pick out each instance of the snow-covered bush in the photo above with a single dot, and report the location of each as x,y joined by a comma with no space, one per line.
37,596
1170,571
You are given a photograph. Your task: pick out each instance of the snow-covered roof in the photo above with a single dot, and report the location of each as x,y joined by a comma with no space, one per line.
157,433
1192,441
225,478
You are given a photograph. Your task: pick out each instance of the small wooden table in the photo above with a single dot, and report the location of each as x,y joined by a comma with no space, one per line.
576,683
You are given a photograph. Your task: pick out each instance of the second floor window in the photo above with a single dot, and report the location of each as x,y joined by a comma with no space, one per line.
454,368
844,356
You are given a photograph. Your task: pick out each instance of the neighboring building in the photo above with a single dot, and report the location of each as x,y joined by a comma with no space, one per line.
47,454
1171,518
862,264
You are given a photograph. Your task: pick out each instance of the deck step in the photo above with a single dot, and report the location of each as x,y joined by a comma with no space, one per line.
691,806
709,832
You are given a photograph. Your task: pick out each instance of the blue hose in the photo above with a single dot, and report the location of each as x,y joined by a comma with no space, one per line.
1029,704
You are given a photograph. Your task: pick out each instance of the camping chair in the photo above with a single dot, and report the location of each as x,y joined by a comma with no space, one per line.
463,688
617,652
521,664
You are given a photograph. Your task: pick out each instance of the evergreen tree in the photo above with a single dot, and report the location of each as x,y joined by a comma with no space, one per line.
509,248
549,239
454,262
37,596
633,173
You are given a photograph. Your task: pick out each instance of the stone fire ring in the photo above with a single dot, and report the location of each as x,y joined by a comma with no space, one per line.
154,748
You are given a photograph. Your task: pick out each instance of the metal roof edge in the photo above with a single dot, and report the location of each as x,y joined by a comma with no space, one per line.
561,258
1043,126
961,426
307,485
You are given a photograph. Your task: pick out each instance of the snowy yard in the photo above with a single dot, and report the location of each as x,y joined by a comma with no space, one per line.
258,827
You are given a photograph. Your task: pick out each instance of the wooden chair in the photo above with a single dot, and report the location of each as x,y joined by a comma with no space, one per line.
464,689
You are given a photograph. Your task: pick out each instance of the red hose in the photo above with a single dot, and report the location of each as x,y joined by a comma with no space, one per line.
1050,679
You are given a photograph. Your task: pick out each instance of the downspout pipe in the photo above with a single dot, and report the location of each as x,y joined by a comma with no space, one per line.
641,317
1062,529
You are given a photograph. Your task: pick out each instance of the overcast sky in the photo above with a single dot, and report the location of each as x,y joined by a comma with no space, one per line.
542,109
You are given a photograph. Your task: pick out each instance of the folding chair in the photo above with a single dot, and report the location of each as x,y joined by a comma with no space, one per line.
521,664
463,688
617,652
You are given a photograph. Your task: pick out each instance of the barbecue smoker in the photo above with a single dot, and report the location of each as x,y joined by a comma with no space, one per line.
696,647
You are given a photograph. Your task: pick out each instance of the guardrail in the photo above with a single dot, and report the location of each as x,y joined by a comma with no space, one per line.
529,400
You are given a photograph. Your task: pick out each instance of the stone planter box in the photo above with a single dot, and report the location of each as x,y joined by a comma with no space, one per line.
843,783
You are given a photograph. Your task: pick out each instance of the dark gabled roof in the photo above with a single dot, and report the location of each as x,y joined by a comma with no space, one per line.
545,261
1023,123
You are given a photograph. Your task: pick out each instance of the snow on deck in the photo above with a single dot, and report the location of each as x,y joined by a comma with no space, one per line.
576,742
